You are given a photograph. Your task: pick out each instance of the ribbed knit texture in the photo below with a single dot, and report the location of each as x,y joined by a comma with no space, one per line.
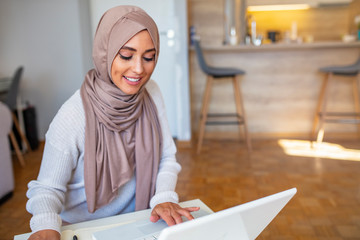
59,190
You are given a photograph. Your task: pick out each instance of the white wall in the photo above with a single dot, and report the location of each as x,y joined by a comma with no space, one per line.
182,73
51,39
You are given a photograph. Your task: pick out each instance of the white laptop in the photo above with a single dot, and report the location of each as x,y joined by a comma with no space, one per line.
245,221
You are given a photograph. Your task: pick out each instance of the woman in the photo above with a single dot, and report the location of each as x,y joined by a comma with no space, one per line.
109,150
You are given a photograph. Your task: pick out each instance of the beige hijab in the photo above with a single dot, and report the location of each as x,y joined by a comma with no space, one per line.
122,132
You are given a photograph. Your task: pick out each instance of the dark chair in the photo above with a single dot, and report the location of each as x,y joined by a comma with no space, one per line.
323,116
216,74
10,101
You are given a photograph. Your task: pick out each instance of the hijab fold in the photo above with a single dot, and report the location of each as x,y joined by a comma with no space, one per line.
122,132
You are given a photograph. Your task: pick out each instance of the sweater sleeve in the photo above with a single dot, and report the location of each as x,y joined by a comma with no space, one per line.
47,193
169,168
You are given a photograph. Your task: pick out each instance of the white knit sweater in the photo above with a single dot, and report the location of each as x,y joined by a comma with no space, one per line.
59,192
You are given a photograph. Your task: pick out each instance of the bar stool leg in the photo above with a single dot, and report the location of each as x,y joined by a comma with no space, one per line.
319,106
204,111
356,99
322,111
241,110
22,136
17,149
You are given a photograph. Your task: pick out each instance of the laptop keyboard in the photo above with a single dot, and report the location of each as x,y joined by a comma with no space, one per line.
139,230
153,236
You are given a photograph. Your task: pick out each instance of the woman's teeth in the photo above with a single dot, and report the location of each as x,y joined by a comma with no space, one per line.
132,79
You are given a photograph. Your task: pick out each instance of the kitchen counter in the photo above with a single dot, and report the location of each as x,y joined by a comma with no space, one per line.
280,87
282,46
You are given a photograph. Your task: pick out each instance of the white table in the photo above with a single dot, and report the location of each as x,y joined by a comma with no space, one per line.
86,228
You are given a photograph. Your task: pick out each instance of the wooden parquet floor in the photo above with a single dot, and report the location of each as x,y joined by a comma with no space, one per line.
327,205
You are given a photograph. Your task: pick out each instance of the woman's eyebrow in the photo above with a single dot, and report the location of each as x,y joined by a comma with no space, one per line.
150,50
134,50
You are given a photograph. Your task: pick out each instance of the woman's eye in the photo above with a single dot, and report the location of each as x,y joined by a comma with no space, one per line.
124,57
149,59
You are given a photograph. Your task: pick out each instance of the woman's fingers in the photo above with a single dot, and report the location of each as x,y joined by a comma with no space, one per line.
171,213
186,212
154,217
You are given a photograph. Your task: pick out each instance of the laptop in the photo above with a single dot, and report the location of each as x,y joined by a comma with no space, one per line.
245,221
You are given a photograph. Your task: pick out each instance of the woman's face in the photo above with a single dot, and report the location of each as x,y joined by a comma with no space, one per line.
134,64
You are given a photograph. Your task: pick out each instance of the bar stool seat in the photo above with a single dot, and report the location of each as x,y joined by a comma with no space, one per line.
206,118
224,72
323,116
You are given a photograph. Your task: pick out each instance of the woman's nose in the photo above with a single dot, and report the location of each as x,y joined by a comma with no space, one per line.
138,66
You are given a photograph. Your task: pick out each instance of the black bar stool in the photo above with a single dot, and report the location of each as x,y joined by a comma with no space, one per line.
206,118
323,116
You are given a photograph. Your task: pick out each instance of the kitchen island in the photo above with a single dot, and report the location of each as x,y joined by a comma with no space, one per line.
280,87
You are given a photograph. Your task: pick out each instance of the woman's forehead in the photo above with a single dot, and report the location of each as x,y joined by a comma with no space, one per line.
141,40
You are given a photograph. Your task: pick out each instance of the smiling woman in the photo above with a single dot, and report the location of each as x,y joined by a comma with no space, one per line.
134,64
109,150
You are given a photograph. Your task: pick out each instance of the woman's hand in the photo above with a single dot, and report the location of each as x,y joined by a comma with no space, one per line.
46,234
171,213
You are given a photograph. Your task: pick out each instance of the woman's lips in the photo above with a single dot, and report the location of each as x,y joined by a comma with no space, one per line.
132,80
